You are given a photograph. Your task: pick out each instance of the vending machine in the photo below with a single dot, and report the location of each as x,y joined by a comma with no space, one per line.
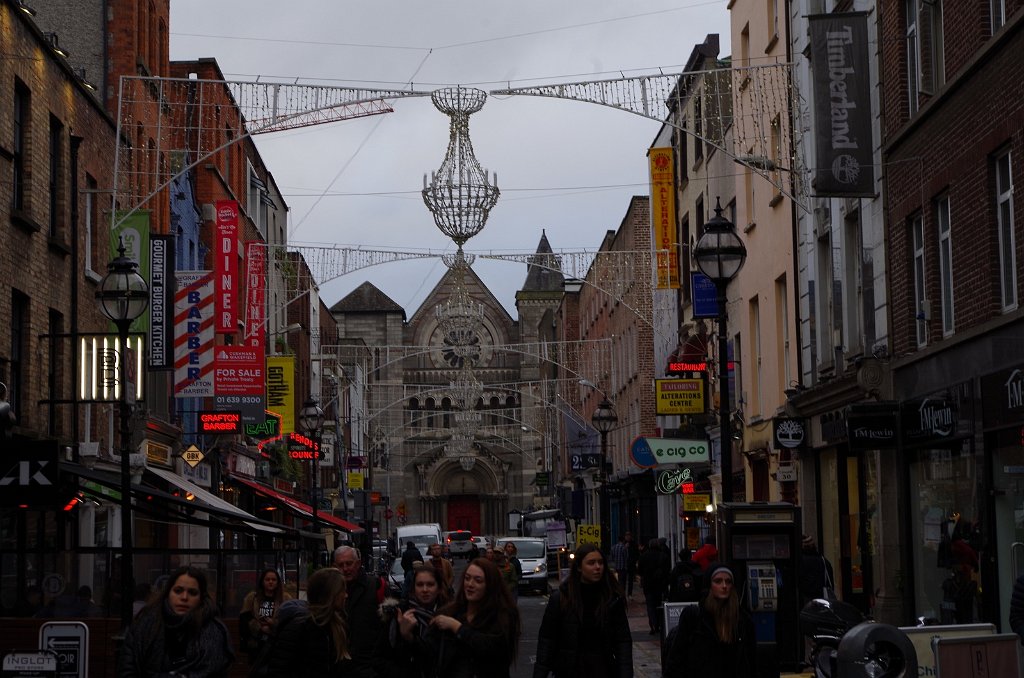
761,541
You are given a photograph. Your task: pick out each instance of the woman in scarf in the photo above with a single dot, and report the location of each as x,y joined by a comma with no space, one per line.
259,610
584,631
177,633
411,644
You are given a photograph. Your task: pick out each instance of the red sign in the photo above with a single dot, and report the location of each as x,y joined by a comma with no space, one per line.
683,367
301,447
225,266
239,371
220,422
255,293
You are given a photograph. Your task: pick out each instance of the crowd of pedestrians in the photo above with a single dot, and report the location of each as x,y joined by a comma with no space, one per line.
349,626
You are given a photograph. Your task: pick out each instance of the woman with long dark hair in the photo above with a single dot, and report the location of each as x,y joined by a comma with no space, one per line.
259,612
480,629
584,631
177,633
311,641
715,637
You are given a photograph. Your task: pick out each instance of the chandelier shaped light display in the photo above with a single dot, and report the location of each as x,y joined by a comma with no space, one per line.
460,194
459,316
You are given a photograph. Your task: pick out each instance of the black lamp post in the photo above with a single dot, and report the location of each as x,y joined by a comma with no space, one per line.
311,418
720,255
123,296
604,420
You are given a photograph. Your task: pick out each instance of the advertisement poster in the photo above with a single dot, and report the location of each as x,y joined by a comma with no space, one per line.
225,265
663,216
281,390
193,334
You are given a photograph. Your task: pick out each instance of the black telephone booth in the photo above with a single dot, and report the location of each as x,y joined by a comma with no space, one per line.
762,542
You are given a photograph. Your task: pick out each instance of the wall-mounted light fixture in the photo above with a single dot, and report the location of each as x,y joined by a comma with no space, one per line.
55,44
25,8
80,72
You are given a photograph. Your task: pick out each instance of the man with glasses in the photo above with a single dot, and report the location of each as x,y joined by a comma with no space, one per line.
361,610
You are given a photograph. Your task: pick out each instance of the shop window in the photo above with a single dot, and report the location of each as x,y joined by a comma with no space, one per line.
945,508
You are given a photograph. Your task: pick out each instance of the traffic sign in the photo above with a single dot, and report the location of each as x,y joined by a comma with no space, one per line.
70,642
388,514
192,456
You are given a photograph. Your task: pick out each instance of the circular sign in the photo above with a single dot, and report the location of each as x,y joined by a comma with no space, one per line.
388,514
53,584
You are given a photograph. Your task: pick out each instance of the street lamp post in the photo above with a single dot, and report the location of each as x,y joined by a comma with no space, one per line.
604,420
720,255
312,420
123,296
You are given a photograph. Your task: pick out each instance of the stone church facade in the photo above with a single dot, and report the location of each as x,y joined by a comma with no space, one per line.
413,411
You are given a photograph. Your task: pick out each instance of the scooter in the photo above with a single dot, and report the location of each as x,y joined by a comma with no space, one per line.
825,622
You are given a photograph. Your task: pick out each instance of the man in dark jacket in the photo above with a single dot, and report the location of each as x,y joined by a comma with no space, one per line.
364,626
654,568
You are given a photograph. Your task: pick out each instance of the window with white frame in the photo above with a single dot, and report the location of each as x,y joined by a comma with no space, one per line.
998,14
254,200
913,71
945,263
1004,223
925,50
920,287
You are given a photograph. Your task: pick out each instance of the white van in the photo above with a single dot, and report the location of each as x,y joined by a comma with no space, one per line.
421,534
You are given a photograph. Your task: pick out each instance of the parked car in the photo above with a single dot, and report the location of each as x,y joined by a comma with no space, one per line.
458,543
533,556
396,579
480,542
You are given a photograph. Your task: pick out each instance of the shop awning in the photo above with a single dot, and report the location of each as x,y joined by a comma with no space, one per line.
93,482
300,508
211,500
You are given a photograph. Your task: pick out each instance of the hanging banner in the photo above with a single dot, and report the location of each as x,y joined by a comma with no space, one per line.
842,105
161,301
663,217
193,334
133,230
225,265
281,390
255,294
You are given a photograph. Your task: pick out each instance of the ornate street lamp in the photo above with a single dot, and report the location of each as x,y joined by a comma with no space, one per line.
604,420
123,296
311,419
720,255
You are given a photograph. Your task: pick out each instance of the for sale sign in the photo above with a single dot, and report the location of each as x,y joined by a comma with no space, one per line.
239,371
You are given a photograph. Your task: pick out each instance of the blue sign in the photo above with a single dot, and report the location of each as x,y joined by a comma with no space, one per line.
705,296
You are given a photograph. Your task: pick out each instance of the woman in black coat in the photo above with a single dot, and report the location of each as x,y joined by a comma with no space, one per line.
480,630
715,638
178,632
584,631
310,641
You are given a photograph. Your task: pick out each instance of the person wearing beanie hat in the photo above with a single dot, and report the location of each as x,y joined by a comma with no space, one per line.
715,638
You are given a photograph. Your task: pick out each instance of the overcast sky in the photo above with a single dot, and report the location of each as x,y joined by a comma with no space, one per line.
566,167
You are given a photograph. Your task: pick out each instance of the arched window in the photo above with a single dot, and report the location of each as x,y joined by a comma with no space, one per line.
446,417
430,407
414,413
